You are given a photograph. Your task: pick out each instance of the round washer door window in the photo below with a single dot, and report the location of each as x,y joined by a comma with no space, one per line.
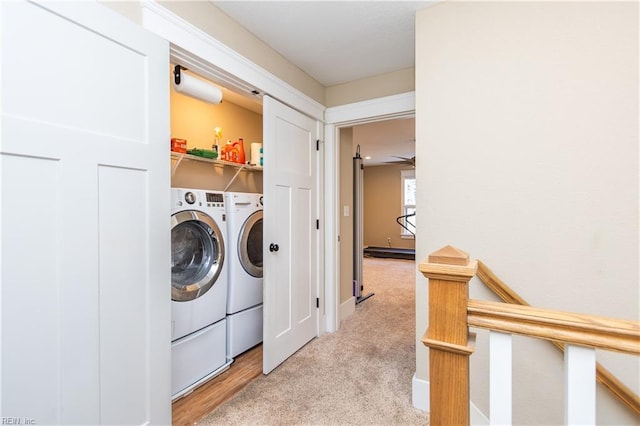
250,245
197,254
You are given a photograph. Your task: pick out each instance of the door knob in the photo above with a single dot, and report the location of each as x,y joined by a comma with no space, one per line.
273,247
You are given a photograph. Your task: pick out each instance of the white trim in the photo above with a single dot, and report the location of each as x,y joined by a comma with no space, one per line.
332,229
347,308
477,417
420,393
322,279
401,105
221,63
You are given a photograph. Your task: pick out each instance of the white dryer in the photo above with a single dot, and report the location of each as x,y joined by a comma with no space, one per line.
198,287
244,300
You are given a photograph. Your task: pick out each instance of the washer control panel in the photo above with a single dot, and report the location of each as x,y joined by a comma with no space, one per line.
215,199
197,198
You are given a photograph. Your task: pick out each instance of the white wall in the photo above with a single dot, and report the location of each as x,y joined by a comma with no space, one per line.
527,139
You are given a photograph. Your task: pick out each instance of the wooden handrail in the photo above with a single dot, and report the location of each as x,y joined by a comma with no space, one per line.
603,376
586,330
499,287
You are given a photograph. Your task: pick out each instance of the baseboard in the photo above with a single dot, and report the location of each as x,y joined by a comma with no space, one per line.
420,393
477,417
346,308
420,400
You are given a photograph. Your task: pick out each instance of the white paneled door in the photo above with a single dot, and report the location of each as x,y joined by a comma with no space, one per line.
291,234
84,217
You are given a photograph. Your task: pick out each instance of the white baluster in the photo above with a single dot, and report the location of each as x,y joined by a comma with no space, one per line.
579,385
500,381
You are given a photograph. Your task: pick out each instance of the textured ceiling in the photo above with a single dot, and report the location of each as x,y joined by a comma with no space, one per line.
334,41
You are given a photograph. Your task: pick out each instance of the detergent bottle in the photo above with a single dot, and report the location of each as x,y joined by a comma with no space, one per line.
238,151
226,151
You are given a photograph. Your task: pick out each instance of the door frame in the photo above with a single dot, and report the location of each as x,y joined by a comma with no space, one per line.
336,118
211,59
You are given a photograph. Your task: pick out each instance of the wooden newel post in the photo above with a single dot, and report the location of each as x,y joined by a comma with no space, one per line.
450,345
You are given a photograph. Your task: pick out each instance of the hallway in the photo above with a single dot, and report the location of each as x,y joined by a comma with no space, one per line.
358,375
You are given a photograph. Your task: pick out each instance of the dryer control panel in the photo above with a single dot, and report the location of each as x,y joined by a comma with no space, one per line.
215,199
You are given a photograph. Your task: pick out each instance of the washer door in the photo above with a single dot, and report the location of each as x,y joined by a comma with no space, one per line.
250,245
197,254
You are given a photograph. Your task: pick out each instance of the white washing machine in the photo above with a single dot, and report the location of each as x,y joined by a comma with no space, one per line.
244,300
199,287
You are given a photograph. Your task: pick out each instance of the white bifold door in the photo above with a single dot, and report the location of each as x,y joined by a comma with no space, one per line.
290,235
84,217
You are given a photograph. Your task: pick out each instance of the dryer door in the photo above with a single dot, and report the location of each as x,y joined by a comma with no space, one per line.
197,254
250,245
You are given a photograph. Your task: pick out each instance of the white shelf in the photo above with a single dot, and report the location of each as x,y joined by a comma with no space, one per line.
179,157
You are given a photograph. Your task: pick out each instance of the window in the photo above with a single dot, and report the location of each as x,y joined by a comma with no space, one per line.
408,202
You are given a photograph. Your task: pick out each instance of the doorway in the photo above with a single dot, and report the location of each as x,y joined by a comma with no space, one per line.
388,151
350,122
289,136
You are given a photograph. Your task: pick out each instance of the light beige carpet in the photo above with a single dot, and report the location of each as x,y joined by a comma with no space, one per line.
360,375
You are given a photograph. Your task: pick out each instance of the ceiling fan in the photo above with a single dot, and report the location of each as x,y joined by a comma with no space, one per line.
404,160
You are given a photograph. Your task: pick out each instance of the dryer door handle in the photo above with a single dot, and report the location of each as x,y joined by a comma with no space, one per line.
273,247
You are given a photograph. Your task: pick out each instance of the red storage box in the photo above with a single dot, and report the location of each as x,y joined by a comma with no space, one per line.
179,145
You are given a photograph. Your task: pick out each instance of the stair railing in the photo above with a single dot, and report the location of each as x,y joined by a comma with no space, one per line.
401,219
451,313
603,376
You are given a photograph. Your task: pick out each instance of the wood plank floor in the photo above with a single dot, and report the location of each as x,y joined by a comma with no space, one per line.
195,406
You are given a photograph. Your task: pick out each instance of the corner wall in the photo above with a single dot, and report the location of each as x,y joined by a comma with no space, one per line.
527,135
